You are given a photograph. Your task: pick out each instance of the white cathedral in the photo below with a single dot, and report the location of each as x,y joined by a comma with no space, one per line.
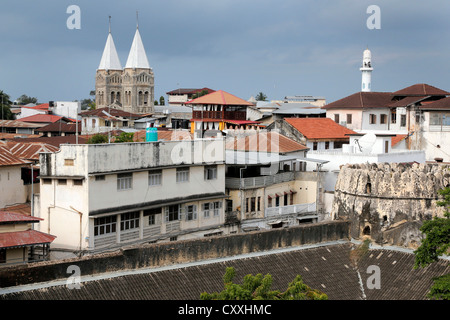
131,88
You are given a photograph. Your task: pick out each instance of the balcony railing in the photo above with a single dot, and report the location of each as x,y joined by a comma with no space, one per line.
296,208
257,182
227,115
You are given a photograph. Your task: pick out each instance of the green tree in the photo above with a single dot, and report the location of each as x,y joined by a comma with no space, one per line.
259,288
5,110
435,244
98,138
124,137
200,94
24,99
162,102
261,97
155,102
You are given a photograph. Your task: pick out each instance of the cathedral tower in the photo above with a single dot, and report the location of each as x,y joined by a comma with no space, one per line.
130,88
366,70
108,81
138,79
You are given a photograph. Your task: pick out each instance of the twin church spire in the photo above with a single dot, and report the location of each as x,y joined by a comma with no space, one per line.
137,58
130,88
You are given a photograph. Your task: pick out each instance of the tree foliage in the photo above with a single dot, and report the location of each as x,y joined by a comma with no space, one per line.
259,288
200,94
124,137
435,244
261,97
5,110
24,99
98,138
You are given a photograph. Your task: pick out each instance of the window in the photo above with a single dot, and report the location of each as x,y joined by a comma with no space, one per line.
191,212
314,145
349,119
277,201
100,178
336,118
182,174
269,202
105,225
124,181
327,144
150,215
383,118
2,255
129,221
372,118
394,116
210,172
338,144
403,120
259,203
68,162
217,207
172,213
206,208
47,181
155,177
253,204
285,199
77,182
62,182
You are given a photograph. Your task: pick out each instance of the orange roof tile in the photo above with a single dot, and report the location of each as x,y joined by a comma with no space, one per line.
264,142
220,97
319,128
396,139
421,89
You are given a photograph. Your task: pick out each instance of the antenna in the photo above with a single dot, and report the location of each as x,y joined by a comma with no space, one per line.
109,24
137,20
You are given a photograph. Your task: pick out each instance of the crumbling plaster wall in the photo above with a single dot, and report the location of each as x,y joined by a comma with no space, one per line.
389,201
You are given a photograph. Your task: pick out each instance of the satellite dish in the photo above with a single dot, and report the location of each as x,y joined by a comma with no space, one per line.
366,142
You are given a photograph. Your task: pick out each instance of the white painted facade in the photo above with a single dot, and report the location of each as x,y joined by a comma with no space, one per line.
68,109
85,189
12,189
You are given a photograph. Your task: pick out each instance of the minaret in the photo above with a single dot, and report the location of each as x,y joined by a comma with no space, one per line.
366,70
109,75
138,79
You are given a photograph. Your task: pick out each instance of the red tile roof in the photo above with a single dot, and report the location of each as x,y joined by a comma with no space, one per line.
442,104
24,238
189,91
362,100
103,113
396,139
420,89
44,118
220,97
60,127
8,217
264,142
319,128
43,106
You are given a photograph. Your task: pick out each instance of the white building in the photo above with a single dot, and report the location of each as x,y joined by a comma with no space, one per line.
102,197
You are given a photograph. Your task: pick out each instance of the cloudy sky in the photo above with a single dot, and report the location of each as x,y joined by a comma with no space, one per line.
282,47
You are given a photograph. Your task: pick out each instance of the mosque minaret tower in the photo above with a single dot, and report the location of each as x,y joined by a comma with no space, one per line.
366,69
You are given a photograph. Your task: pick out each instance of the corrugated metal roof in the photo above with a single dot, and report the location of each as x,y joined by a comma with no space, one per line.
7,216
9,159
24,238
29,150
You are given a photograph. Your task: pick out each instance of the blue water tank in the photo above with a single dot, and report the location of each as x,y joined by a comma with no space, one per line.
151,134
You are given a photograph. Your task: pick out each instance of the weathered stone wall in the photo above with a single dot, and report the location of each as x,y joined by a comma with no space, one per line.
163,254
389,202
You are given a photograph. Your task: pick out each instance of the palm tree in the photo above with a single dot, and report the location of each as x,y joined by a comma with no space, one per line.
261,97
5,104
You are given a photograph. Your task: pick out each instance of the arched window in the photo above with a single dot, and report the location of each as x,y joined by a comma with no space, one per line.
366,231
368,188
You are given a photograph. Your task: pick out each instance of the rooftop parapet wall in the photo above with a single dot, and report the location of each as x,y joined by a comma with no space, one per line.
82,160
172,253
